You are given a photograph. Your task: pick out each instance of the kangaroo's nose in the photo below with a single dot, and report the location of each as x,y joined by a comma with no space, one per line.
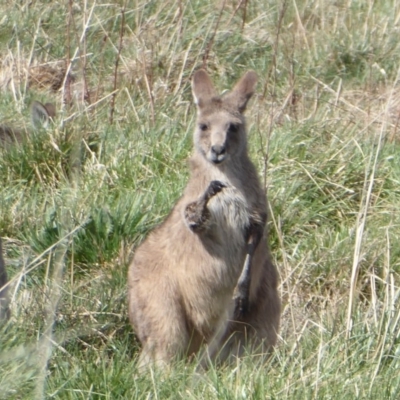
218,153
218,149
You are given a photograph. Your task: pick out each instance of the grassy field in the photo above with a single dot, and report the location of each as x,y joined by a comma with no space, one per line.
77,198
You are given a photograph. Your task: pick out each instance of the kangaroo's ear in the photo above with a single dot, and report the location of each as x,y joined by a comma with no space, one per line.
202,88
243,90
51,110
41,114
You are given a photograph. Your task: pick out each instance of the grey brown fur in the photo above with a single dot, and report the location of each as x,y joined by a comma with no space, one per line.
4,299
205,276
41,114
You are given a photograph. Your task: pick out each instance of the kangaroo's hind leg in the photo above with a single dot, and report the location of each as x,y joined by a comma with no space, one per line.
160,324
258,326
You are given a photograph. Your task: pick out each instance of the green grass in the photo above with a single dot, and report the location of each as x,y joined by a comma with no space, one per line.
77,198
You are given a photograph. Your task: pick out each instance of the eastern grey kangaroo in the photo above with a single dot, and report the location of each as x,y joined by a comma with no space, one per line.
205,277
41,114
4,300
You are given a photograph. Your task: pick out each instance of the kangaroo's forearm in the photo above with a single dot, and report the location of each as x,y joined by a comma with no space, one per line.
254,234
196,213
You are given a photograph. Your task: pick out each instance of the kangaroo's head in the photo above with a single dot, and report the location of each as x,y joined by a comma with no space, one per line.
220,133
41,114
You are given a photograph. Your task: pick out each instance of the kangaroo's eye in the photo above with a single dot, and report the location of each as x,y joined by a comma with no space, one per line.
233,128
203,127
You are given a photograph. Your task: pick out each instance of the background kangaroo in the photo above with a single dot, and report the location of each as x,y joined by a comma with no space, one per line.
40,115
4,300
183,277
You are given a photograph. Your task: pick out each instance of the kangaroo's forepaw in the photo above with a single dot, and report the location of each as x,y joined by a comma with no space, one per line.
196,213
242,306
214,188
196,216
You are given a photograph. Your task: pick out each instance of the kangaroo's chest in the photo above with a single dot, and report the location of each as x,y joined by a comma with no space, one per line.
230,212
231,207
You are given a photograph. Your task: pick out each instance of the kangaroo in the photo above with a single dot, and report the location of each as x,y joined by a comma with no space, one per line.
41,114
4,300
204,277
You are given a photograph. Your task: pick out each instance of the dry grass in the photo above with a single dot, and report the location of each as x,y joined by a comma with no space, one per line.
77,198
